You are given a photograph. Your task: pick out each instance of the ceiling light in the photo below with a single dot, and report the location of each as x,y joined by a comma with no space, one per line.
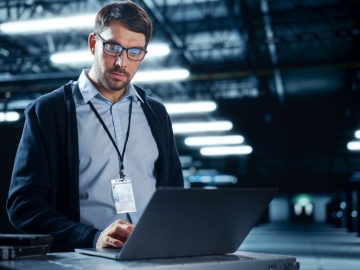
353,145
157,50
229,150
18,104
202,126
70,57
84,56
48,25
214,140
161,75
9,116
214,178
357,134
190,107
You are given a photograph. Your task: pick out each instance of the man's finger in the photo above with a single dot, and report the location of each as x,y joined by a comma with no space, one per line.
120,230
113,242
128,225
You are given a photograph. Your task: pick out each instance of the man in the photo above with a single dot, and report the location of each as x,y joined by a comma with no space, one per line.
93,152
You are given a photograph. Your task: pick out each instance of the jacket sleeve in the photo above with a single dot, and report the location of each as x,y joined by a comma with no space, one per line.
33,204
175,177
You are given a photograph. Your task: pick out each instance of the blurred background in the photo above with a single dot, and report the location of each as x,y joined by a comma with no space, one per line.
275,84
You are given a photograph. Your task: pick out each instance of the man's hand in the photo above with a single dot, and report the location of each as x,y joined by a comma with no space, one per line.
115,234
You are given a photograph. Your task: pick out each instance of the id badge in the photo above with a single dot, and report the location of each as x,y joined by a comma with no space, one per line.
123,195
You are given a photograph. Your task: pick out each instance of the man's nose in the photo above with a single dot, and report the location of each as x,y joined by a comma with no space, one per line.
121,60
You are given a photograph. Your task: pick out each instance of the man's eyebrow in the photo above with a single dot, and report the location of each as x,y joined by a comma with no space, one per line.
111,41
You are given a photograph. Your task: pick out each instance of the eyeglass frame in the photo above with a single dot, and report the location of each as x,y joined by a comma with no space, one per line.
104,42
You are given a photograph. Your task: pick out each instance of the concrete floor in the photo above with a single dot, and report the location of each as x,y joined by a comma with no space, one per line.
315,246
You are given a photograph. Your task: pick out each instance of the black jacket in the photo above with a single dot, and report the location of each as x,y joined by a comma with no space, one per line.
44,190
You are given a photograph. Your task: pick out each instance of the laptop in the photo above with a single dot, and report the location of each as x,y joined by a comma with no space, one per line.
180,222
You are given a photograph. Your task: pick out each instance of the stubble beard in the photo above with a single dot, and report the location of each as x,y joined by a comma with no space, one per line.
106,81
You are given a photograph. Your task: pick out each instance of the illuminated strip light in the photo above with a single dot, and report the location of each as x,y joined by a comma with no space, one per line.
78,57
84,56
223,151
157,50
202,127
19,104
357,134
9,116
190,107
214,140
161,76
48,25
353,145
218,179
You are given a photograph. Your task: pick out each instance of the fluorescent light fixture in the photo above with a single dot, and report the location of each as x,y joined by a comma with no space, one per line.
157,50
190,107
161,76
353,145
19,104
357,134
202,126
214,140
48,25
186,159
179,2
217,178
226,150
84,56
9,116
70,57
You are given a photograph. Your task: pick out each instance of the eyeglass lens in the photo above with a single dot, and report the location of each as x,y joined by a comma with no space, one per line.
132,53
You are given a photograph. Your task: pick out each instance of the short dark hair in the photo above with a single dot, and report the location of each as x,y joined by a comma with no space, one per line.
129,13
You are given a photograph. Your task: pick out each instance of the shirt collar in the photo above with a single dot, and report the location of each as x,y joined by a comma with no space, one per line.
88,90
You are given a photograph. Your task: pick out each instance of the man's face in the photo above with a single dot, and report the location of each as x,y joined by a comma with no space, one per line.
114,73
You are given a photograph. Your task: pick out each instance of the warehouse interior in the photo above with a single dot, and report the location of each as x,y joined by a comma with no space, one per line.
283,75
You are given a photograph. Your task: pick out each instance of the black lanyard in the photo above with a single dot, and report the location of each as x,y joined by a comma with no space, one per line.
122,173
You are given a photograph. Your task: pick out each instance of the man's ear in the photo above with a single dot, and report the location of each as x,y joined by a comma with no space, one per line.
92,42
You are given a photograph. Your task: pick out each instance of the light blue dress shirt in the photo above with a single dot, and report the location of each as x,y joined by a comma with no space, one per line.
99,161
